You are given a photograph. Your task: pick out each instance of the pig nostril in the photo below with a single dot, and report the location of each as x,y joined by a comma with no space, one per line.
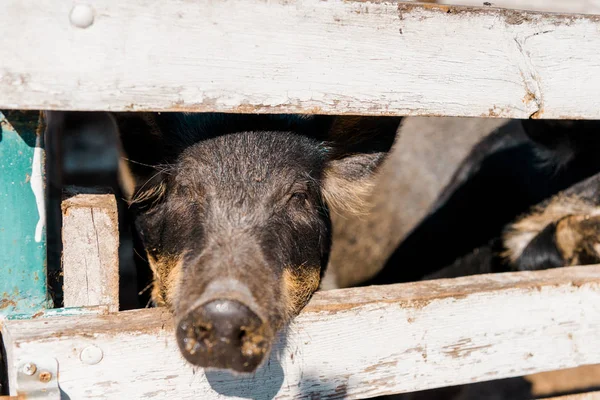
195,336
202,331
224,334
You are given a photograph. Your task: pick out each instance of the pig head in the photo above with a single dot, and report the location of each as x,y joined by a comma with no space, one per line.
233,211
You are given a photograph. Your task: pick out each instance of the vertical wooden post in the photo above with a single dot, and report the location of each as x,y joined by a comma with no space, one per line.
90,238
22,215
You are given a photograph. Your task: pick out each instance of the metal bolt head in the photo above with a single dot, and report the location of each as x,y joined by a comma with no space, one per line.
45,376
91,355
82,16
29,369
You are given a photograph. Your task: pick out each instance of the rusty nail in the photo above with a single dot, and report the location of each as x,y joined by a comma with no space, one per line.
29,369
45,376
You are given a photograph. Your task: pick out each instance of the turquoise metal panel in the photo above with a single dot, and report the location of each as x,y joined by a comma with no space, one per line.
61,312
23,281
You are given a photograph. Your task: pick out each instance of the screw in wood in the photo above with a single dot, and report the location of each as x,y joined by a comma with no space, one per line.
82,16
45,376
29,369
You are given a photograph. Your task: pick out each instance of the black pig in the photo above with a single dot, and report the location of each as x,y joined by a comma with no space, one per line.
233,211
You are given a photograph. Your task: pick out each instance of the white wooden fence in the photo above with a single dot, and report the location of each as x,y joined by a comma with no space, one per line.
564,6
311,56
380,57
350,343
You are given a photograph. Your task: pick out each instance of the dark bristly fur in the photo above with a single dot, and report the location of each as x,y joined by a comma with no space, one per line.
477,217
245,197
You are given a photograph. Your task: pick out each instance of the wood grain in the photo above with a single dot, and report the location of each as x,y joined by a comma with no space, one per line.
564,6
312,56
571,380
350,343
90,237
579,396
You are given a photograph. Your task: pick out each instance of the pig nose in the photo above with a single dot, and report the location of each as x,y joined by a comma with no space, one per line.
223,334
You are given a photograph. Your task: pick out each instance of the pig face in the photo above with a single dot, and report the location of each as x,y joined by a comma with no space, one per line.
234,214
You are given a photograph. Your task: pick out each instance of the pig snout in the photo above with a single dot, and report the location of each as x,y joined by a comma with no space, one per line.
223,333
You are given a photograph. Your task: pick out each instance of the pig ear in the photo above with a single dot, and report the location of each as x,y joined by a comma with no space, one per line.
143,155
357,147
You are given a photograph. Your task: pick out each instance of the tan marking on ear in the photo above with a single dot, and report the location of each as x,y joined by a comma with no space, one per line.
298,286
568,236
577,238
347,197
520,233
166,272
154,192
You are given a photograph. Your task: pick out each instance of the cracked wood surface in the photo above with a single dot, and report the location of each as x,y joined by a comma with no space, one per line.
350,343
564,6
90,251
310,56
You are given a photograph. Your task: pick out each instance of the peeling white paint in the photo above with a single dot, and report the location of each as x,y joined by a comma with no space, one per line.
346,344
310,56
37,186
563,6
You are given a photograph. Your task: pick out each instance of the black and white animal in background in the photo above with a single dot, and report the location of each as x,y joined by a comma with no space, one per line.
526,198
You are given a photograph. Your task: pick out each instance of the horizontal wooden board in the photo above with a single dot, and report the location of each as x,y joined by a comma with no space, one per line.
571,380
310,56
565,6
351,343
579,396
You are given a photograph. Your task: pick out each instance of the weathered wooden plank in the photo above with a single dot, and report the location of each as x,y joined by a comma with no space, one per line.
313,56
564,6
351,343
90,237
22,215
580,396
571,380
